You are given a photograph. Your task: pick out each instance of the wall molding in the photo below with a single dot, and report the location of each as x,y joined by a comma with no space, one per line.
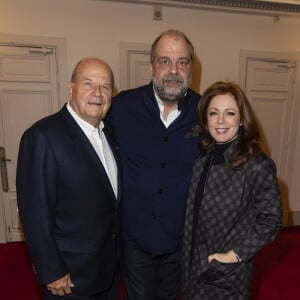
259,7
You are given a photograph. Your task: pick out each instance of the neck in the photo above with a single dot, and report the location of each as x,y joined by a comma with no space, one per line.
168,107
226,142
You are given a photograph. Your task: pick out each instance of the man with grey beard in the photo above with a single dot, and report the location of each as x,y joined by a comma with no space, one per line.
157,137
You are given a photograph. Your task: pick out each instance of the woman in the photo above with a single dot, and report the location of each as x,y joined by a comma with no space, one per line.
234,205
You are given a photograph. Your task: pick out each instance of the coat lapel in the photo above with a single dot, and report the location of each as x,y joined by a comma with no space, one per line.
82,144
109,134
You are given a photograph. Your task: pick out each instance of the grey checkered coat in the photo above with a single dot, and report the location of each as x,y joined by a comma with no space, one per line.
240,210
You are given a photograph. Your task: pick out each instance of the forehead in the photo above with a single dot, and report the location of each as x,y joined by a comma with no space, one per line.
226,101
94,69
172,46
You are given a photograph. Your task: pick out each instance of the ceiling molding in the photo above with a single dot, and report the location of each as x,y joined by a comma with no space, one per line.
259,7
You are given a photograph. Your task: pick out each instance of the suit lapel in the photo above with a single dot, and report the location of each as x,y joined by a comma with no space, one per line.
109,134
82,144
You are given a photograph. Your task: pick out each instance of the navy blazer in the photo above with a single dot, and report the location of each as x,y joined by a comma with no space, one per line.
67,206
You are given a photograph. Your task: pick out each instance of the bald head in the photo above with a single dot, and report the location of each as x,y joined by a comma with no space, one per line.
91,60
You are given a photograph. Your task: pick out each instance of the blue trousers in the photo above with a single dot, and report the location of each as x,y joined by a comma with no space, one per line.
150,277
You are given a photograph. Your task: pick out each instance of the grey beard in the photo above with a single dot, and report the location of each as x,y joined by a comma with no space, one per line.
164,95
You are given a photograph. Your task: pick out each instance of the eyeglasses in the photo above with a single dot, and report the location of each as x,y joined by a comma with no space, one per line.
166,62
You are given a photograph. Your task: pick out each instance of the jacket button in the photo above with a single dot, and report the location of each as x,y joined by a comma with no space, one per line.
161,190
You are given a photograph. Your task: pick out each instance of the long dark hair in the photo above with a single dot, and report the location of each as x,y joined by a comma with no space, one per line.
249,137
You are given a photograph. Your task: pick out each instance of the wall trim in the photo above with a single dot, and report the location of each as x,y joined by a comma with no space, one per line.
262,7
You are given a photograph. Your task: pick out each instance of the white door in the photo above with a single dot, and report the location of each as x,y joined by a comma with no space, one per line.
139,69
134,65
269,86
28,92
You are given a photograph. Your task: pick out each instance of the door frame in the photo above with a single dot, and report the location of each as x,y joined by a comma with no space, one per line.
290,217
59,45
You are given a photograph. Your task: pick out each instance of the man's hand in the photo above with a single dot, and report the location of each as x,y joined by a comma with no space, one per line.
61,286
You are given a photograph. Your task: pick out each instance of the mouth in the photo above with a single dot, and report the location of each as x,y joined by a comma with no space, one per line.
95,103
173,79
173,82
221,130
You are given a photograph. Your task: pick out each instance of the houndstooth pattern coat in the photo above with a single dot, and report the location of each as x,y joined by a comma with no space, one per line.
240,211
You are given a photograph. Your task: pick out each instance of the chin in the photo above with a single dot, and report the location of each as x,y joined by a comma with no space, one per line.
225,139
221,140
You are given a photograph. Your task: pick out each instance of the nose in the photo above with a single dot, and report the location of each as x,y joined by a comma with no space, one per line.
97,91
173,67
221,119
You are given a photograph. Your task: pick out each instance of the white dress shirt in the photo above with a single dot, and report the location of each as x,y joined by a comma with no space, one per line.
172,116
101,146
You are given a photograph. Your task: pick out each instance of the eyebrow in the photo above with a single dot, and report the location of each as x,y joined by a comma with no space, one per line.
89,79
227,109
169,57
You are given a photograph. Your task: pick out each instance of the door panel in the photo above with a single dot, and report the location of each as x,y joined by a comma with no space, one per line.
30,69
139,69
269,86
28,92
269,76
134,65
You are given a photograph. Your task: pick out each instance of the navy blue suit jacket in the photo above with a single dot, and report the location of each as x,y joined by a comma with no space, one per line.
67,206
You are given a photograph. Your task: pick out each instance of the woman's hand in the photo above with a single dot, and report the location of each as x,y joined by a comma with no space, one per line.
226,258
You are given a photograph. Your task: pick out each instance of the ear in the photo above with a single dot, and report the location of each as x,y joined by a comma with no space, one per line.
70,89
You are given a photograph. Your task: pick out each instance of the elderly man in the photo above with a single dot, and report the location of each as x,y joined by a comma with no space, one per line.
68,191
